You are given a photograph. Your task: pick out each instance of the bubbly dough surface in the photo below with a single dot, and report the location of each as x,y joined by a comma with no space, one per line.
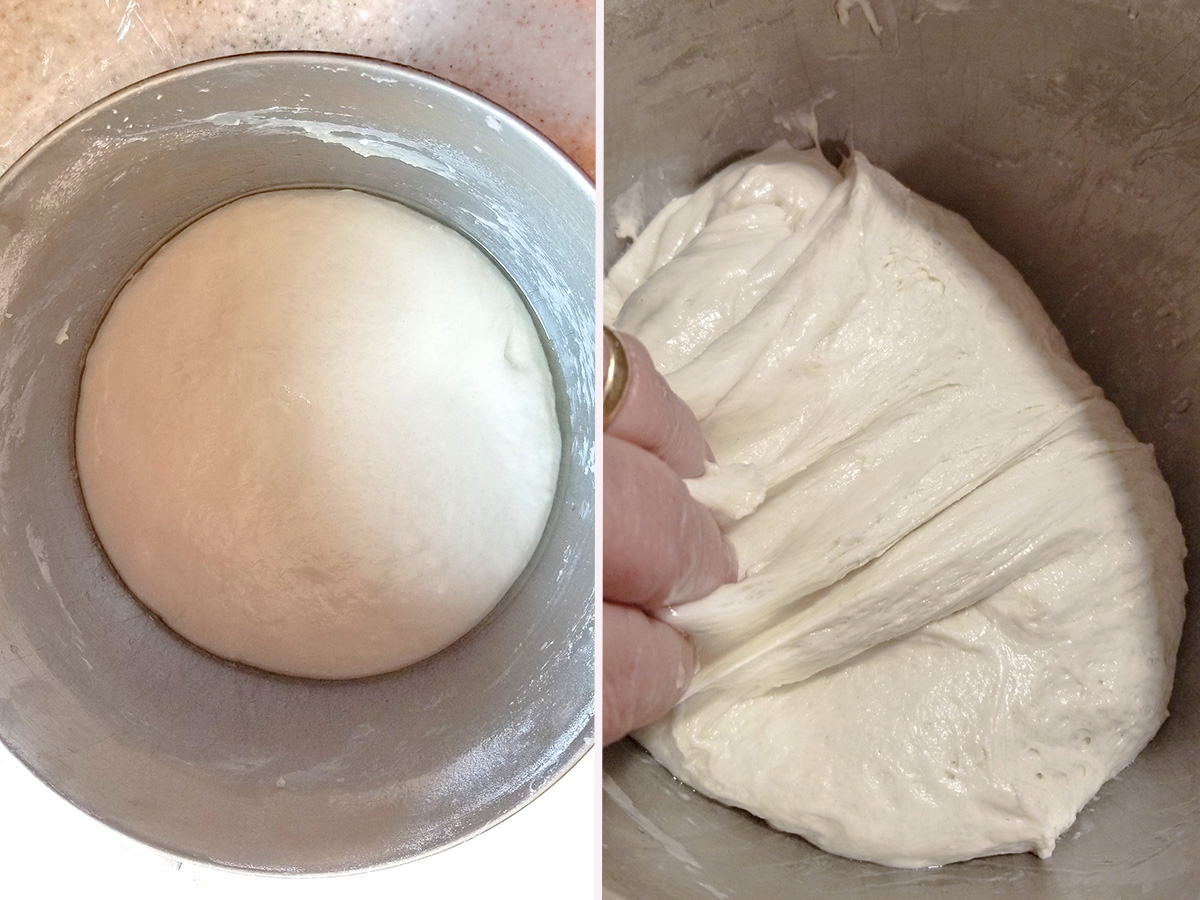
962,585
317,434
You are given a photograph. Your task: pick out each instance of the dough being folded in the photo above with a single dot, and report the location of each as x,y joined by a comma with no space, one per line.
962,592
317,434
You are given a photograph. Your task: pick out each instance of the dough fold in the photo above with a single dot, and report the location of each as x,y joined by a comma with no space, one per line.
961,594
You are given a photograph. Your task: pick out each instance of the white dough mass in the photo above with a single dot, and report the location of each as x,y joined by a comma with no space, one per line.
961,588
317,434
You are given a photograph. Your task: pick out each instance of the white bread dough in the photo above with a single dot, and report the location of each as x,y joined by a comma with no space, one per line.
317,434
962,585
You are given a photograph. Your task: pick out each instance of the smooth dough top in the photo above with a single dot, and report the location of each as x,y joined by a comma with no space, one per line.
317,434
962,585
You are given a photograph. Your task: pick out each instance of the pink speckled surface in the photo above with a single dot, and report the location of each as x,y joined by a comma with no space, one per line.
536,58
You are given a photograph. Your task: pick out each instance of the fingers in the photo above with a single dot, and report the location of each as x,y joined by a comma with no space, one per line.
654,418
647,667
660,546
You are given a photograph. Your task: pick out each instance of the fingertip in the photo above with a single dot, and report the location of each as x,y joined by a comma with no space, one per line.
653,417
648,666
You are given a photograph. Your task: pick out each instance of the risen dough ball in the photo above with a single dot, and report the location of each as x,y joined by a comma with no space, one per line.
316,434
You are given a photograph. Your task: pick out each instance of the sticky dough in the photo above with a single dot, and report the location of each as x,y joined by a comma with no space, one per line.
961,585
317,434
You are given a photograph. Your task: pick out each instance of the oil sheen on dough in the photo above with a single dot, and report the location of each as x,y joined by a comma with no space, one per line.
317,434
961,585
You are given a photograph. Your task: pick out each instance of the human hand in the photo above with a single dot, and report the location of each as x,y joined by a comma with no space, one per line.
661,547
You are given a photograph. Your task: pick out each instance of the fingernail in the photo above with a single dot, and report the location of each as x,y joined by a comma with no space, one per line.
685,673
730,557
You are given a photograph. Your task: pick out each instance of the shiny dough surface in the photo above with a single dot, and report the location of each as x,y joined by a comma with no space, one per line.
317,434
961,587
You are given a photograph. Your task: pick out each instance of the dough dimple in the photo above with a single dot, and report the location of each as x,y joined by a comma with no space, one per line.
317,434
962,590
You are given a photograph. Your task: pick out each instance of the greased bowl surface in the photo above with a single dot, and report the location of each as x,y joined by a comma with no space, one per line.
204,758
1065,132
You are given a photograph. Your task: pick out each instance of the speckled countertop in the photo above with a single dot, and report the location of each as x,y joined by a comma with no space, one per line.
536,58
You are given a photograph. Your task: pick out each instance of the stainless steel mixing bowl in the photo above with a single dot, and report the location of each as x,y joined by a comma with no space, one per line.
204,758
1067,133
